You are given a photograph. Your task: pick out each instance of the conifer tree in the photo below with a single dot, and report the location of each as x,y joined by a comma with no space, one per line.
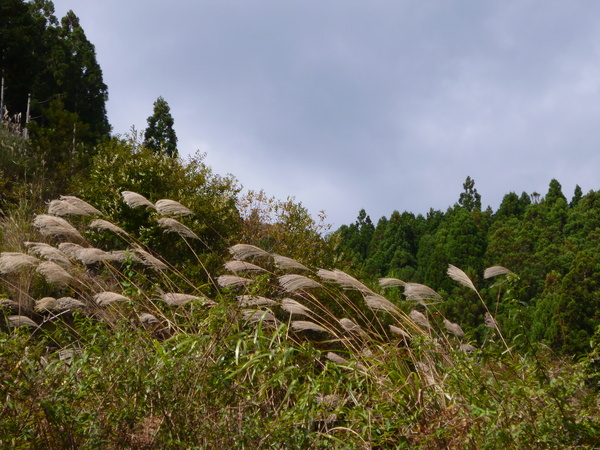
470,198
160,135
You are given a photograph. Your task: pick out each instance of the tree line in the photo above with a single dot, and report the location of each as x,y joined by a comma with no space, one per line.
550,243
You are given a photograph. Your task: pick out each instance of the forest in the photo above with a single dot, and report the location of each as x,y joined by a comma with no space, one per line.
148,302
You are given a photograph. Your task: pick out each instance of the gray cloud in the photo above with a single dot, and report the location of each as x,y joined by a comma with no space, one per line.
345,104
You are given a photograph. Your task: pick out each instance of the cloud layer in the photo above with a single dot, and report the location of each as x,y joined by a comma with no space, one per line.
379,105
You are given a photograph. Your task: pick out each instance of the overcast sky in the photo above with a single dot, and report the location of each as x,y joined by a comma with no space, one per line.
347,104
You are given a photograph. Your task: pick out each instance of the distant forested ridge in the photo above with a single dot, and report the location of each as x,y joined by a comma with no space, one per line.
551,243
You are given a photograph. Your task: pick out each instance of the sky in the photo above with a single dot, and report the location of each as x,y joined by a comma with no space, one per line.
344,104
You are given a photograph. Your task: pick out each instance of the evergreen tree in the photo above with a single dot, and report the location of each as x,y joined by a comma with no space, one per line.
470,198
160,135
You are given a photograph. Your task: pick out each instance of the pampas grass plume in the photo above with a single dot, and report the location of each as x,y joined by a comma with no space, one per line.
134,200
55,226
172,208
13,261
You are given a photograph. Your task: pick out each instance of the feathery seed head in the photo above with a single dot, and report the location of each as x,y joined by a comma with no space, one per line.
150,261
334,357
293,283
257,315
178,299
245,251
242,266
419,319
48,252
389,282
233,280
55,226
82,205
172,208
379,303
458,275
284,262
420,293
454,328
495,271
148,319
106,298
63,208
254,300
133,200
54,273
294,307
344,280
349,325
174,226
101,224
21,321
304,325
13,261
399,331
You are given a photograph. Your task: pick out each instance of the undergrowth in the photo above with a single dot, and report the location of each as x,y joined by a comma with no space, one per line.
127,350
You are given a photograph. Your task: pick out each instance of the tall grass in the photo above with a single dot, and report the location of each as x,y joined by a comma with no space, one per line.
128,350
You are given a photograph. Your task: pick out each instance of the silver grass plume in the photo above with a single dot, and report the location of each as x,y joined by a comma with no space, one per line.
349,325
106,298
233,280
334,357
293,307
148,319
81,204
305,325
458,275
454,328
390,282
467,348
53,273
124,255
427,372
420,293
134,200
242,266
399,331
101,224
70,249
257,315
489,321
174,226
49,253
494,271
172,208
150,261
420,319
7,304
244,251
13,261
55,226
254,300
62,208
343,279
90,256
293,283
380,303
58,304
283,262
21,321
178,299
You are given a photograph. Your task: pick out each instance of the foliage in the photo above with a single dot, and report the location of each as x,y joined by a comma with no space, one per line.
542,238
206,373
160,135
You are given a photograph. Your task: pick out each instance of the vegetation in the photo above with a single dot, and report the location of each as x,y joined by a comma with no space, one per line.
146,303
160,135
